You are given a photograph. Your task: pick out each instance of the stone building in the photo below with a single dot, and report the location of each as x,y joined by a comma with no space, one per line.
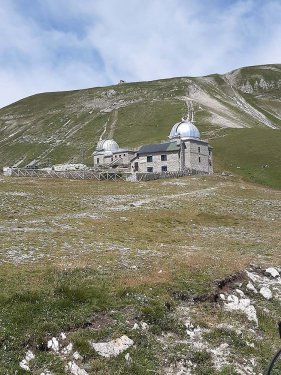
184,151
109,154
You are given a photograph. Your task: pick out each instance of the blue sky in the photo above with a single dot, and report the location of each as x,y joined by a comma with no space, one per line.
53,45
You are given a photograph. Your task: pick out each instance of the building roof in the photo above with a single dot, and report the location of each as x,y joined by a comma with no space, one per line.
184,129
107,145
159,147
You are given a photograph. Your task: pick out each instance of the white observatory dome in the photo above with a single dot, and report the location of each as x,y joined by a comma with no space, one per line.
184,129
107,145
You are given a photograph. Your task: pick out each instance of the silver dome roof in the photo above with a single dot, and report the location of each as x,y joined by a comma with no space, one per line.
184,129
107,145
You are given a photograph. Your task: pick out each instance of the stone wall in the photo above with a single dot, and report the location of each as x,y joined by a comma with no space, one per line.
198,156
122,157
172,163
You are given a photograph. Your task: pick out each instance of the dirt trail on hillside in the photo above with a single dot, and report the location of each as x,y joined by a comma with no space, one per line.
113,123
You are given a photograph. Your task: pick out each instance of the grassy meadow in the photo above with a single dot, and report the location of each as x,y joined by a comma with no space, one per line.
91,259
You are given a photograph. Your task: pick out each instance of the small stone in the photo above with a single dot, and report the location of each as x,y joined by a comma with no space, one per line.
24,365
53,344
144,326
136,326
250,344
67,349
62,336
251,287
29,356
112,348
266,292
128,359
74,369
272,271
240,292
77,356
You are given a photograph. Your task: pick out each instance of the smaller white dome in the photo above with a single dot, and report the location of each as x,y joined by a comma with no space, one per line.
107,145
184,129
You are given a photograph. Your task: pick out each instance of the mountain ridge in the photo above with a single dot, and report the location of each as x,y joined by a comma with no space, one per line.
65,126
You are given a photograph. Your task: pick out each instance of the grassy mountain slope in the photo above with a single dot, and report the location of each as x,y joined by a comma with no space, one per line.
92,259
252,153
65,126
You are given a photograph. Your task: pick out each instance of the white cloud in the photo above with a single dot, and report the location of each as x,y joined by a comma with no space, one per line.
72,44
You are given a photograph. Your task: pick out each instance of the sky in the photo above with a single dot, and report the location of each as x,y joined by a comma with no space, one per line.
57,45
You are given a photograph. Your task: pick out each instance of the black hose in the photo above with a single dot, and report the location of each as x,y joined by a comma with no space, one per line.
270,367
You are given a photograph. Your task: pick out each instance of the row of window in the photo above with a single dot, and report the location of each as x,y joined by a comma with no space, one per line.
119,156
163,168
164,157
98,160
149,158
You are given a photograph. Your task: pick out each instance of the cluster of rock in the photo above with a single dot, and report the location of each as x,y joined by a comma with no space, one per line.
248,88
235,295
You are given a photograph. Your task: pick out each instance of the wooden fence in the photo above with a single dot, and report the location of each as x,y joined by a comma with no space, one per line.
100,176
75,175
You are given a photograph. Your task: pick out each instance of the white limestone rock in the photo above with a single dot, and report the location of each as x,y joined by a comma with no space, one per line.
192,331
128,359
77,356
112,348
266,292
24,364
136,326
75,369
251,287
62,336
144,326
240,292
29,355
53,344
67,350
243,305
272,272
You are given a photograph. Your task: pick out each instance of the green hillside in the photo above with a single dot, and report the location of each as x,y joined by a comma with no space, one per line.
253,153
65,126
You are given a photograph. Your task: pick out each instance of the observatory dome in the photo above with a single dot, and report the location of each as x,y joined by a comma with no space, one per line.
184,129
107,145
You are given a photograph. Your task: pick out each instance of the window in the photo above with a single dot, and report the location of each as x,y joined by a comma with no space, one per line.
163,157
124,154
98,160
199,149
149,159
164,168
149,169
115,156
199,159
209,152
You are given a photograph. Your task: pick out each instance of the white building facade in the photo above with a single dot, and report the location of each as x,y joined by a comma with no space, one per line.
184,151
